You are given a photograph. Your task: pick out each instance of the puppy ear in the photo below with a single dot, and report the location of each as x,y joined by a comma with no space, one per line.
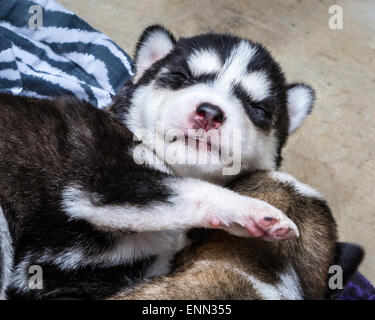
154,44
300,100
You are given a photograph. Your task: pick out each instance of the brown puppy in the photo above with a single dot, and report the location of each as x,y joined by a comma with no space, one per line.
222,266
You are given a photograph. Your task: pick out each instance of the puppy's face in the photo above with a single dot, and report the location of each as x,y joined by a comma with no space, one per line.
216,101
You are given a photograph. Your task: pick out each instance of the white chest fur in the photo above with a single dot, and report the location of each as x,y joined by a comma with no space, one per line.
163,244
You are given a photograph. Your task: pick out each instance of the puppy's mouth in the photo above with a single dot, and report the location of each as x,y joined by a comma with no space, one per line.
200,143
191,140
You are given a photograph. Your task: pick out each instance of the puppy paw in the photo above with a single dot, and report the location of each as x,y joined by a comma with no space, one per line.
275,229
259,220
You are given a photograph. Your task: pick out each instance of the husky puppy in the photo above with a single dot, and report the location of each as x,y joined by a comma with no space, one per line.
97,200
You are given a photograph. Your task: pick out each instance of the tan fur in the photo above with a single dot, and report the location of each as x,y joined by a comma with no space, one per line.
214,267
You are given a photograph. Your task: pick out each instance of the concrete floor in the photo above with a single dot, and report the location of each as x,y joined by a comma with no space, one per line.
335,149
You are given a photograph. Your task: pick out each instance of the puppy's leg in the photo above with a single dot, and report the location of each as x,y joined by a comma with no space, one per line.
184,203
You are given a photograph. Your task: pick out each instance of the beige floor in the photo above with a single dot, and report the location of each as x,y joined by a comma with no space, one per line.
335,150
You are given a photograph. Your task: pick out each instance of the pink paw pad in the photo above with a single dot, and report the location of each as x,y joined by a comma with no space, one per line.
254,230
215,223
267,222
281,232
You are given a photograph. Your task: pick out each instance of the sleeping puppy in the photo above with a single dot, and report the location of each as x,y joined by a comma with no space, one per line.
101,199
221,266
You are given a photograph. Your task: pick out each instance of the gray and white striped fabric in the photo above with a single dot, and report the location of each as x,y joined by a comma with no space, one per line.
64,56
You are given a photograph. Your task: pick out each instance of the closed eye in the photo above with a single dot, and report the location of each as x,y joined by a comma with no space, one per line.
261,110
174,79
179,74
259,115
258,112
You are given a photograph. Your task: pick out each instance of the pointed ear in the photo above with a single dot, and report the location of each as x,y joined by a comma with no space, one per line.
154,44
300,100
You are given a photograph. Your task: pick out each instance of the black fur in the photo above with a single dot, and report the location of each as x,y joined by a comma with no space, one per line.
46,145
349,256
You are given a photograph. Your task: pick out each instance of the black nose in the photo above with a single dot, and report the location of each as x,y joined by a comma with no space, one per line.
209,115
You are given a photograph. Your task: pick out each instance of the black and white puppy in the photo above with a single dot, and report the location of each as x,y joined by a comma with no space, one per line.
99,200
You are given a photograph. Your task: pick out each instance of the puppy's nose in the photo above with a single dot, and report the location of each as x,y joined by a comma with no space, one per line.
209,116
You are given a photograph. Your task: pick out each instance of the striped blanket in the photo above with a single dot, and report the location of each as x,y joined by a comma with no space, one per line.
46,51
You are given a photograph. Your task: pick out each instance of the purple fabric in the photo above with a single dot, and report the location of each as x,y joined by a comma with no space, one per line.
358,288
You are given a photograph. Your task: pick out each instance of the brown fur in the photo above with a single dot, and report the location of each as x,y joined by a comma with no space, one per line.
205,270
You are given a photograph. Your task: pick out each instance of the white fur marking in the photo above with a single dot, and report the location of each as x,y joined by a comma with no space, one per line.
288,288
300,187
289,285
235,68
257,84
203,62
